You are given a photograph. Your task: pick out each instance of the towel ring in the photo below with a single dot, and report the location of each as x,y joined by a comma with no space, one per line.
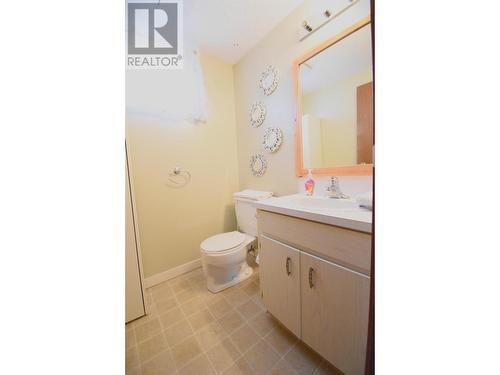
178,178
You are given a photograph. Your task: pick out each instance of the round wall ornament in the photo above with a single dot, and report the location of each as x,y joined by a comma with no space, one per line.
272,139
257,114
269,80
258,164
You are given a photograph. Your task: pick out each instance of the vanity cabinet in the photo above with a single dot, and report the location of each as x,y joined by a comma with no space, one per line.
315,279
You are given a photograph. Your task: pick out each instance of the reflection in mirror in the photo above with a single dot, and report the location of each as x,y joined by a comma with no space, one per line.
336,104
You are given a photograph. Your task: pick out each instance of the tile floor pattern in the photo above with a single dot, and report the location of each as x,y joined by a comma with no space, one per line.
190,330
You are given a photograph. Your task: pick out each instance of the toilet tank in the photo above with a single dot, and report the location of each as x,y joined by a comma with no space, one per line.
245,212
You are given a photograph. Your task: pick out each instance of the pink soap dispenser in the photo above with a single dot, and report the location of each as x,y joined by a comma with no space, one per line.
309,185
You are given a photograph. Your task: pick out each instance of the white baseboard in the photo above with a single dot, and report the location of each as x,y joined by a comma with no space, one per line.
171,273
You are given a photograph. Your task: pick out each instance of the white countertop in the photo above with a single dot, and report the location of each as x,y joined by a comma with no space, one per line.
339,212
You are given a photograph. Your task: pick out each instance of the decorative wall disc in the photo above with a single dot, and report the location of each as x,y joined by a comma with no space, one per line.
257,114
269,80
258,165
272,139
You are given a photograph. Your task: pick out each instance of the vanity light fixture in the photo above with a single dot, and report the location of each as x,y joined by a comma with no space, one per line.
320,17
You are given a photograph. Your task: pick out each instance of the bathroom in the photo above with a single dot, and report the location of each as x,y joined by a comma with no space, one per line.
201,156
311,187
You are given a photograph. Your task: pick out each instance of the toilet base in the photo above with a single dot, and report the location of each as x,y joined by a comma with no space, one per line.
245,271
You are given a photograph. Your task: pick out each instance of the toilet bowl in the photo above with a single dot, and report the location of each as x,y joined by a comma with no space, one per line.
224,259
223,255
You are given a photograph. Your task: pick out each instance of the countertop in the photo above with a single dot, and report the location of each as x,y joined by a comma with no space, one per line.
321,209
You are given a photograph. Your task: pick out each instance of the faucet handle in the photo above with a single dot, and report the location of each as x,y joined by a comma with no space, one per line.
334,182
334,188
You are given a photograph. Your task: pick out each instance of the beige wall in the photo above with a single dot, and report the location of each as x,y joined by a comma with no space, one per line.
173,222
280,48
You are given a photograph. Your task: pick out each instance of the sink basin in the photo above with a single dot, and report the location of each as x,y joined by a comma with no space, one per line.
324,203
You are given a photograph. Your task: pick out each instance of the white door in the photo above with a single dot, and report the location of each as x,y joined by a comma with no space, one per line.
335,304
134,303
280,282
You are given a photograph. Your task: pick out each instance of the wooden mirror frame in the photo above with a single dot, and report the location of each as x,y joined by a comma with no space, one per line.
354,170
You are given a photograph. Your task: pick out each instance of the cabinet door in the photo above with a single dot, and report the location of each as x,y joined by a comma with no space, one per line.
334,304
280,282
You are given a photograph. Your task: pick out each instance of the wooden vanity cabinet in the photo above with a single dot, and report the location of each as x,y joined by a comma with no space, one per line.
322,301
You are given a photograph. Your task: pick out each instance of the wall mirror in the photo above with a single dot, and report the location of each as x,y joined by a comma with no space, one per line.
334,98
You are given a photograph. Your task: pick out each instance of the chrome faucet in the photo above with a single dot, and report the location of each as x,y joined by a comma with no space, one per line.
334,189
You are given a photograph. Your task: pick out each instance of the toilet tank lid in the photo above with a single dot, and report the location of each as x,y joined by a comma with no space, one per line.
254,195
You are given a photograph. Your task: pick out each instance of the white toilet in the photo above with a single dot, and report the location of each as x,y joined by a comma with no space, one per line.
223,256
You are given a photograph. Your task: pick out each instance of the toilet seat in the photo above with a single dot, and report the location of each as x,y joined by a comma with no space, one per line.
222,242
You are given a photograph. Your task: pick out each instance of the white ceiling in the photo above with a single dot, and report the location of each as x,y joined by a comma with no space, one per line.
228,29
345,58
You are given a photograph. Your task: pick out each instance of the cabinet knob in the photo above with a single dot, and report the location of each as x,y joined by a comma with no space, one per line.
288,261
311,284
